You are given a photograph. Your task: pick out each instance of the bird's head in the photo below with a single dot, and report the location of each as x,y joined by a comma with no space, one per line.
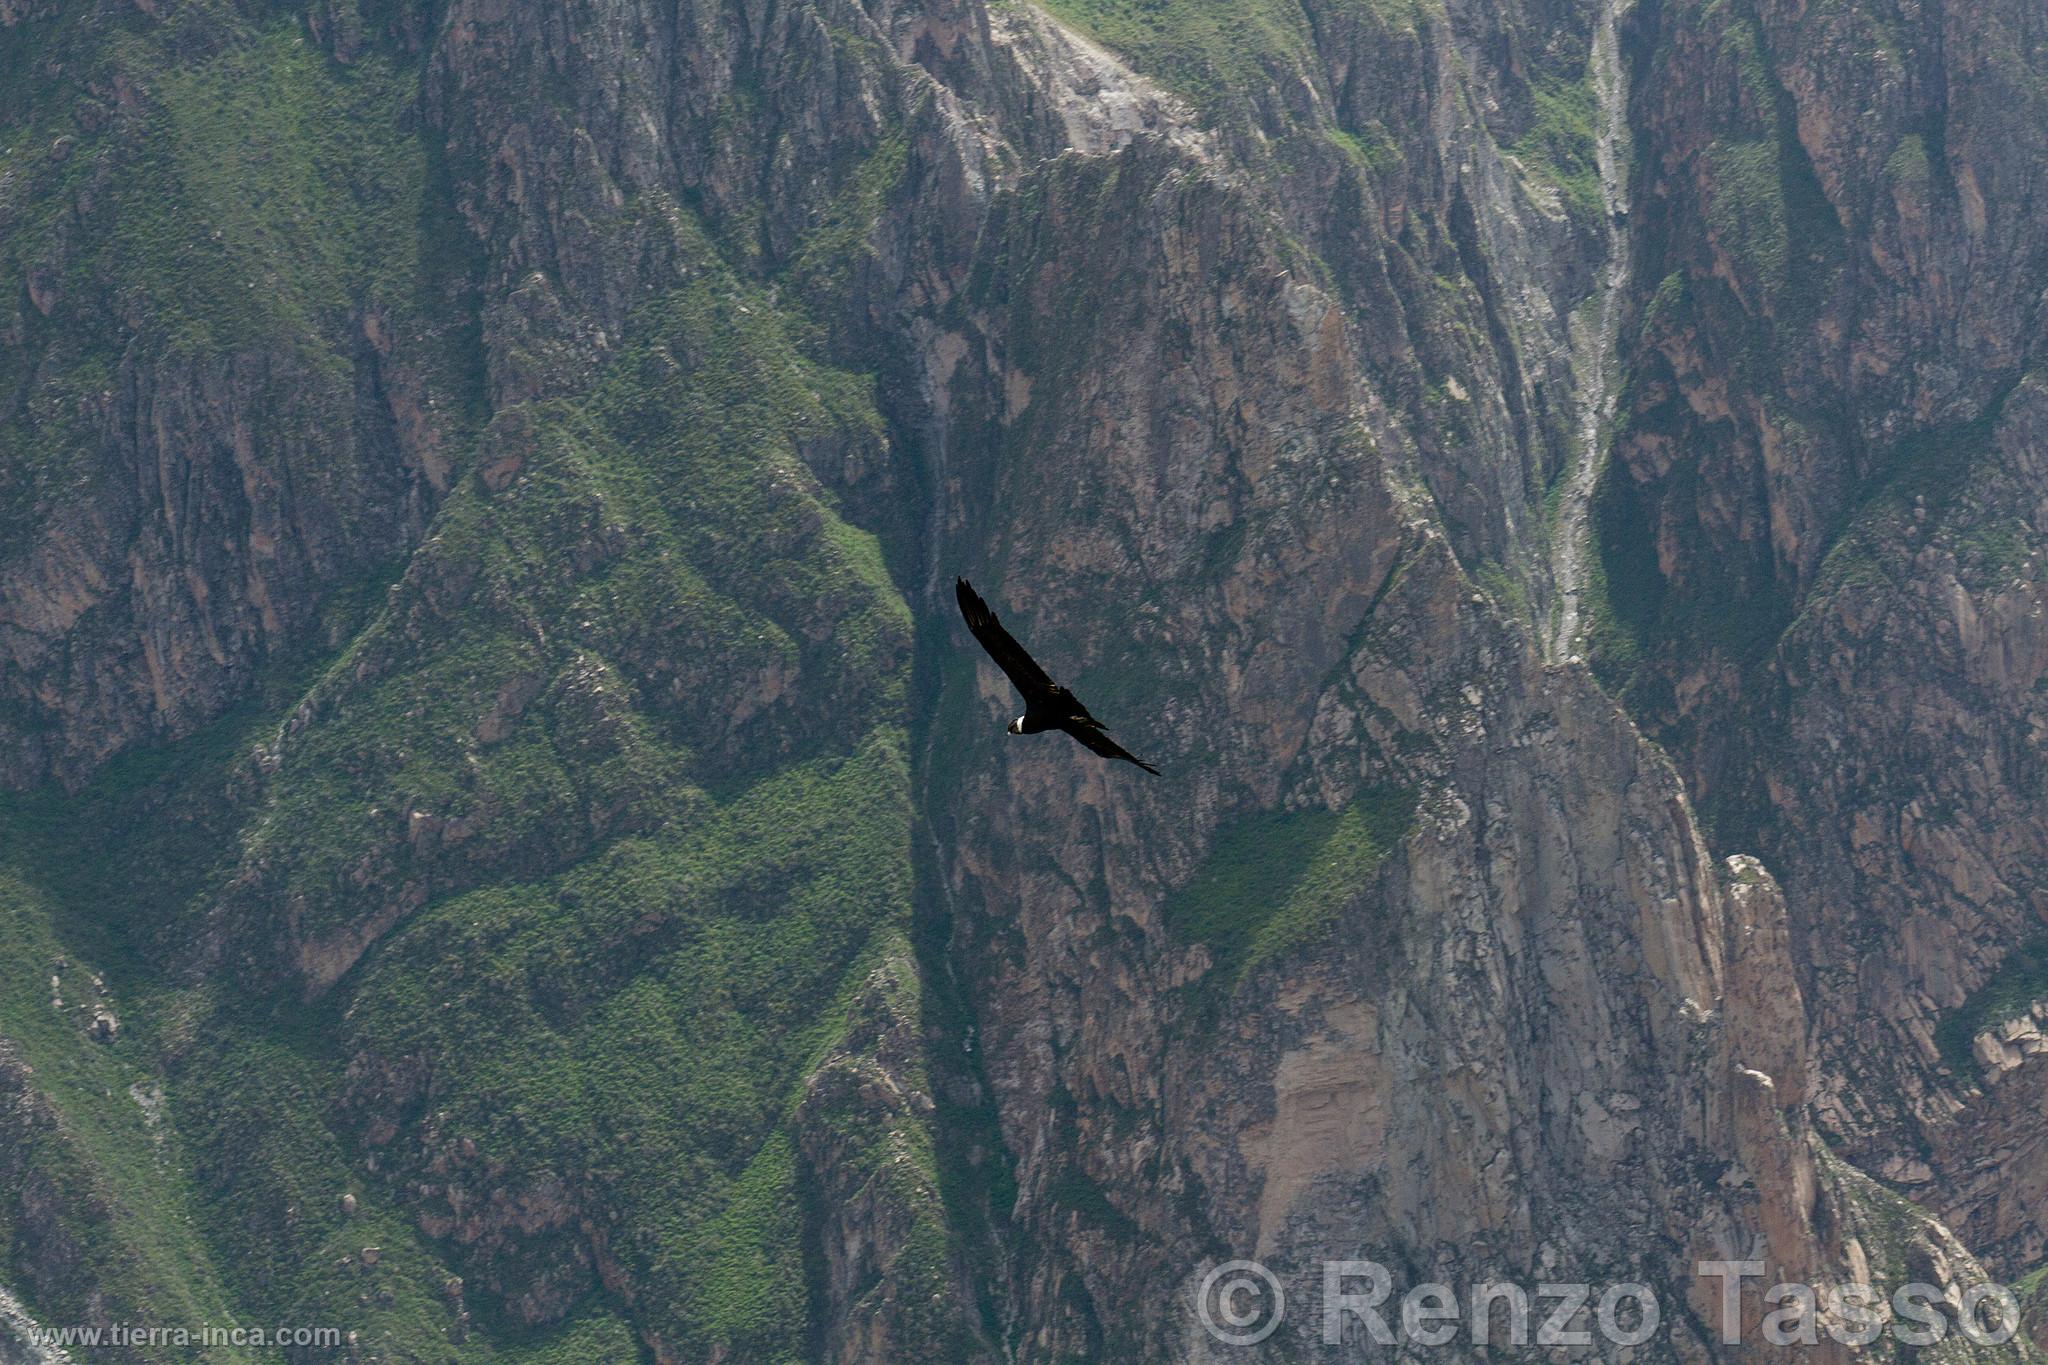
1017,726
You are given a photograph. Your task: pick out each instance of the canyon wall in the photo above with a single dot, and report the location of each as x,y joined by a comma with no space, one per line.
510,851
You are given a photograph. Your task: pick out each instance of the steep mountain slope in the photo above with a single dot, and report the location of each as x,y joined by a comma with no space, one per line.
1826,505
511,857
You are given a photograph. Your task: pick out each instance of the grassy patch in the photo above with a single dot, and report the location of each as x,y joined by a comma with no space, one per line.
246,196
1624,590
2012,990
1075,1190
1611,642
633,1017
48,440
296,191
1746,207
1765,205
1274,882
670,543
1373,146
1504,588
820,267
1560,145
1998,545
2031,1290
223,1197
1211,51
1669,306
1927,473
1909,164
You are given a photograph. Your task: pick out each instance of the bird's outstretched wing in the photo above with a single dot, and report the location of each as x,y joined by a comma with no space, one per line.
1033,681
1094,738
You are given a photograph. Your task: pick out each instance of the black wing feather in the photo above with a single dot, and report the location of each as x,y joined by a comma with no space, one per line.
1095,739
1034,682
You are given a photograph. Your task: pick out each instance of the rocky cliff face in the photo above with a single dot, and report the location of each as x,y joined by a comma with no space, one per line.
213,425
603,837
1825,501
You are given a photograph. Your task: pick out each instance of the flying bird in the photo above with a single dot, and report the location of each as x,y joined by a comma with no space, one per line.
1047,705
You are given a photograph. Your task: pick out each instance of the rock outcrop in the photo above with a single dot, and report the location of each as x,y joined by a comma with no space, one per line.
1822,529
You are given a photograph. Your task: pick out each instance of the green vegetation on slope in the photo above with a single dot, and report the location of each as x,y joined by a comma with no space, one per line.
618,756
275,192
649,1012
109,1170
245,198
1274,882
1624,590
1222,54
651,1001
1921,488
1560,145
713,566
1747,209
1211,51
201,1129
229,1170
2020,981
1768,215
1225,55
1766,207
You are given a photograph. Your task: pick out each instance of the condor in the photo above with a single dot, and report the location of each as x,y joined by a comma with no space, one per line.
1047,705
